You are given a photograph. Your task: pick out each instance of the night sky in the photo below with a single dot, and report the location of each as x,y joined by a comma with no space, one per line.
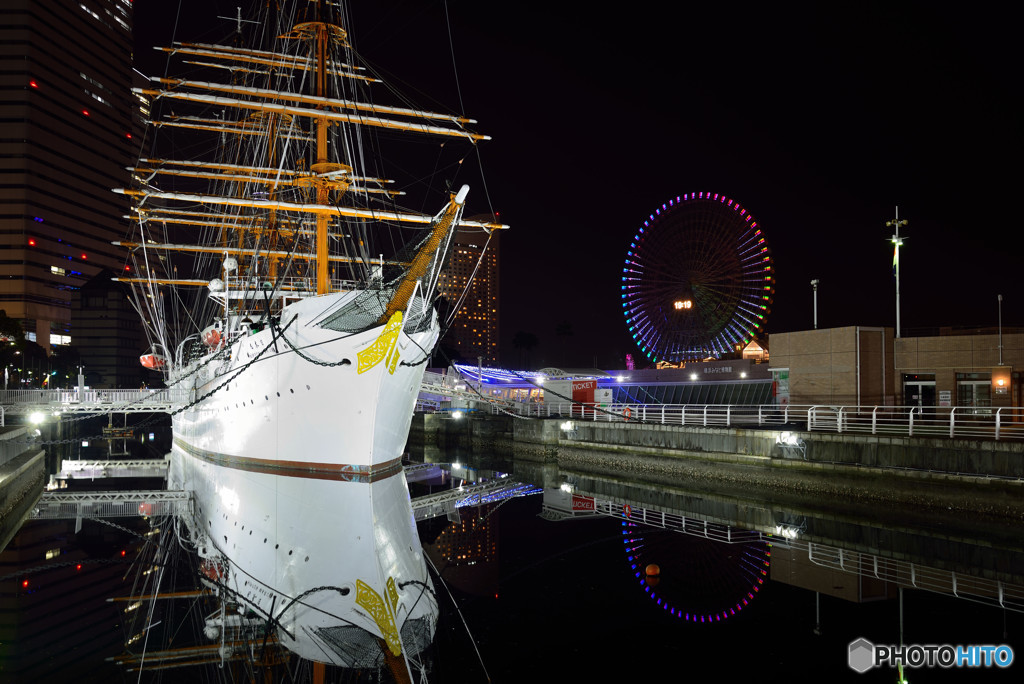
818,119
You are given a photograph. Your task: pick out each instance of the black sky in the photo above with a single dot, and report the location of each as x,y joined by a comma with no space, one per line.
818,118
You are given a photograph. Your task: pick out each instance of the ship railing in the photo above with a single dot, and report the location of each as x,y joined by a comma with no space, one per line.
1004,423
242,286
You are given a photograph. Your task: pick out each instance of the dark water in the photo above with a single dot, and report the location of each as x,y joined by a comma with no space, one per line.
559,601
566,606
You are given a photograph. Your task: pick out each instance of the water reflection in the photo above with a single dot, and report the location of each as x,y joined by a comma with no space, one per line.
557,586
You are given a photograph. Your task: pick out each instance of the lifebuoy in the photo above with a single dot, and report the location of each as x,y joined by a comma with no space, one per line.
627,414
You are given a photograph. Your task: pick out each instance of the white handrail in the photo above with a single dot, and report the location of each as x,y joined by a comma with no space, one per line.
982,423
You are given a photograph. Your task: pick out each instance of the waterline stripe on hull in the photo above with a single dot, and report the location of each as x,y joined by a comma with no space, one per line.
343,472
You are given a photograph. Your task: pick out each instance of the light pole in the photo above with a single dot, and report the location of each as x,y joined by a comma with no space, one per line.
897,242
814,286
999,298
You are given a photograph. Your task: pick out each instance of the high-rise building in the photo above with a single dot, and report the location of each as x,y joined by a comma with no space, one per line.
107,334
65,140
474,332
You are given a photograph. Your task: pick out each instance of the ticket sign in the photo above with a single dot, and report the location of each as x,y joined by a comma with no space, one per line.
583,390
582,503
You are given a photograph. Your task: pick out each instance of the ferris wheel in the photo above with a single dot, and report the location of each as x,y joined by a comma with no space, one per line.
693,577
698,280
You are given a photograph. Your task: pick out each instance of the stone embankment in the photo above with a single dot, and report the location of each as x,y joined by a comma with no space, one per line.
952,475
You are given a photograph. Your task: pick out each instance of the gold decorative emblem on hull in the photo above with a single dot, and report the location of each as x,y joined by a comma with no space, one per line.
392,594
384,348
370,601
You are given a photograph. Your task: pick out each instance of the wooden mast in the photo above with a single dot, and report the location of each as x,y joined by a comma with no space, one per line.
323,283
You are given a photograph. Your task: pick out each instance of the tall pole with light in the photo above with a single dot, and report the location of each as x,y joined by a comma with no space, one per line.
897,242
999,298
814,286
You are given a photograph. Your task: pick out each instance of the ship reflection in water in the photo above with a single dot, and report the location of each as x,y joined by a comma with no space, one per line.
602,579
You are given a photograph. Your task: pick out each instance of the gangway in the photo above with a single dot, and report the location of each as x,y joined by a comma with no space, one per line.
62,504
102,402
65,505
93,470
58,402
448,502
442,386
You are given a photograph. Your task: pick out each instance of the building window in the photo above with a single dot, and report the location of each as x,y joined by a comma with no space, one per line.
974,390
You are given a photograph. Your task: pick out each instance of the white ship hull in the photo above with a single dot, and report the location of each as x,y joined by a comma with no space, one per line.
300,499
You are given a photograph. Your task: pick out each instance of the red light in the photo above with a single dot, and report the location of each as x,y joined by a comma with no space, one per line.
33,84
24,584
122,553
78,567
84,257
31,242
127,268
85,111
128,135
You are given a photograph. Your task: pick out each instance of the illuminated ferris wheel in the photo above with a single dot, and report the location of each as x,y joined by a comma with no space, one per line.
698,280
693,577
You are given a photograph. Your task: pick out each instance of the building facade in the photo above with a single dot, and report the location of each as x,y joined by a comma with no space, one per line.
861,366
474,331
108,336
66,138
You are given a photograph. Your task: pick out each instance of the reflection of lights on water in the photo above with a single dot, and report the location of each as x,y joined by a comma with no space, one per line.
787,438
787,531
755,561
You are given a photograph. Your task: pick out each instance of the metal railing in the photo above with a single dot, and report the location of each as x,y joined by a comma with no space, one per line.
984,423
96,400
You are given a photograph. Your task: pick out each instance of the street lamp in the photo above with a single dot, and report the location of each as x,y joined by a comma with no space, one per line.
999,298
897,242
814,286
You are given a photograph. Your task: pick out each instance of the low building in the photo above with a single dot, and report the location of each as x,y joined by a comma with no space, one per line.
865,366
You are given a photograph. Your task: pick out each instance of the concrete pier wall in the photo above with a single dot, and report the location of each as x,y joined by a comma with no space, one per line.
954,456
955,475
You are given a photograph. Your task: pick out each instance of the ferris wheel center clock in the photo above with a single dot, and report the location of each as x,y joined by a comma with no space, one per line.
698,279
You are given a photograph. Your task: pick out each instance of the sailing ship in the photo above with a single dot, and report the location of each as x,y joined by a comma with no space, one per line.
303,344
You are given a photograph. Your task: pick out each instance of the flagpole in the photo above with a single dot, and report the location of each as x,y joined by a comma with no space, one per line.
897,242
